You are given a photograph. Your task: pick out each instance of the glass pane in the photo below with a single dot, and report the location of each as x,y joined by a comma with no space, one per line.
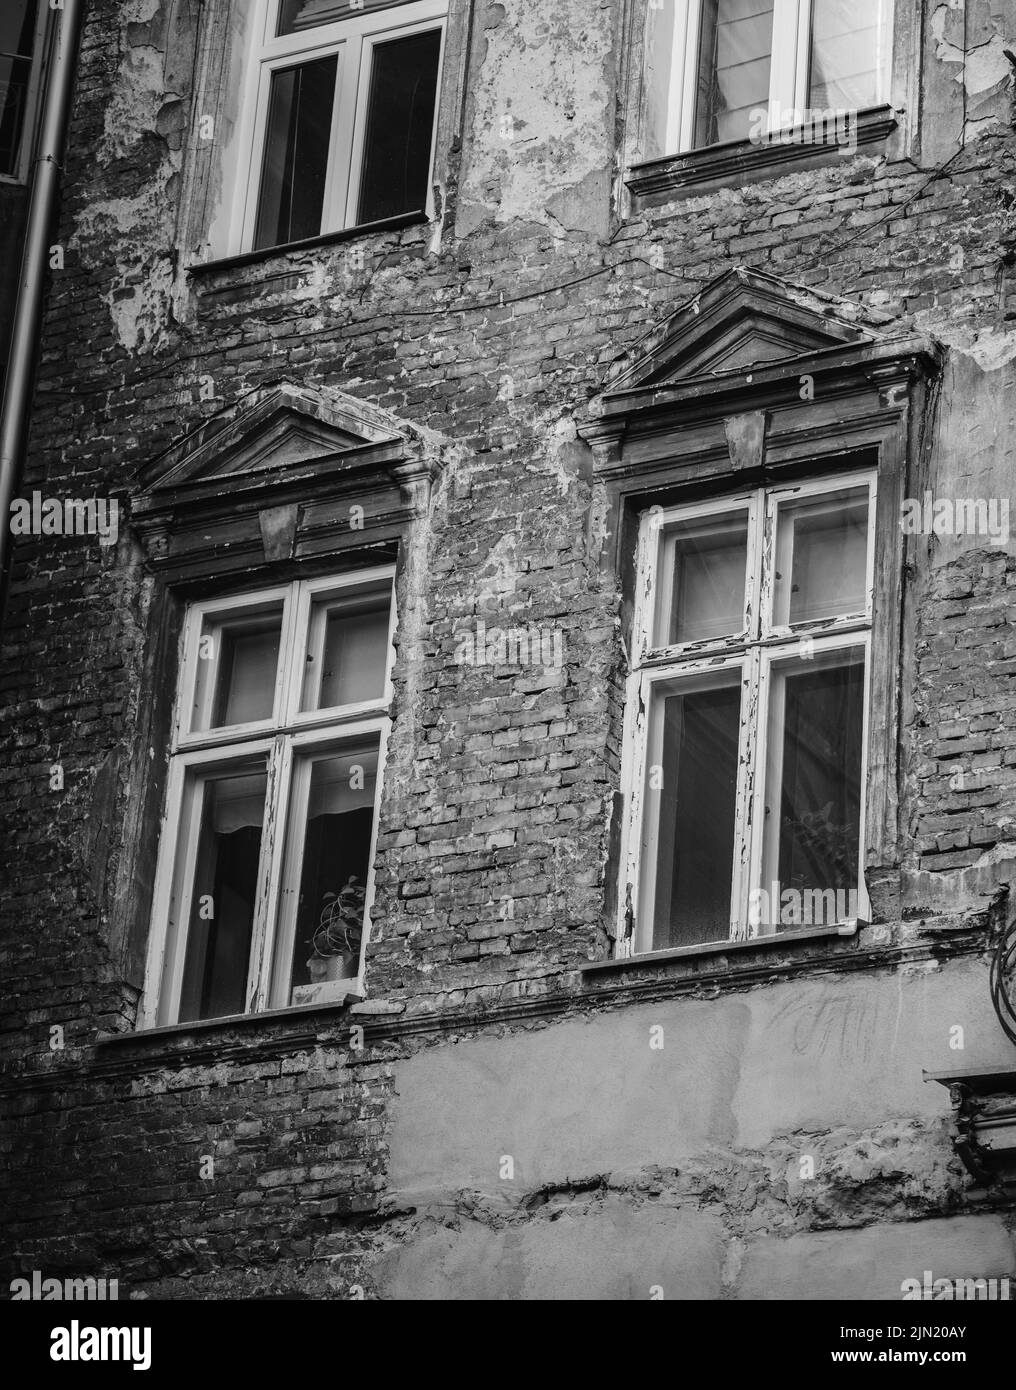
15,75
736,43
295,15
17,27
846,56
400,123
813,795
348,651
17,43
690,799
821,557
220,916
238,658
296,153
333,871
702,578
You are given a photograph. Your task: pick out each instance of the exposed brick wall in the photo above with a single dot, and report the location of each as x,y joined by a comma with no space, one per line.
499,784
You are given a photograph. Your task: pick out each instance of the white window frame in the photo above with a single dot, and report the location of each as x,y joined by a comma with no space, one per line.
289,741
352,40
32,99
788,73
756,649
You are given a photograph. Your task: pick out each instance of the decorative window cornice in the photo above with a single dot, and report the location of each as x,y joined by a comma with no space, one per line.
288,473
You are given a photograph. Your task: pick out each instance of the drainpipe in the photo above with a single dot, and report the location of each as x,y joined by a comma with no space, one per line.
63,43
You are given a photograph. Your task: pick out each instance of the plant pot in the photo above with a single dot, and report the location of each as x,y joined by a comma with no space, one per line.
344,966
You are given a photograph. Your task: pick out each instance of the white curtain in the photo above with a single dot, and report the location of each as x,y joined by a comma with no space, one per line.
846,38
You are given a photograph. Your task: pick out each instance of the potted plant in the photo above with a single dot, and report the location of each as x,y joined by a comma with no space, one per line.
338,934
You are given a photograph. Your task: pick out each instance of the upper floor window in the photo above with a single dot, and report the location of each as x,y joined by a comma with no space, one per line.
729,70
264,879
20,41
344,102
748,755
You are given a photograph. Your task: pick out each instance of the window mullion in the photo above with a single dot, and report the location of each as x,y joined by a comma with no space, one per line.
754,567
345,186
269,874
746,793
159,938
191,816
863,902
686,59
634,892
336,169
293,652
784,66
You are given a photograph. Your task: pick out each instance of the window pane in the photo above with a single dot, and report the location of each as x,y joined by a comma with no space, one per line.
702,577
220,914
295,15
17,28
846,57
17,42
238,658
296,153
347,656
400,122
333,870
736,42
821,557
693,751
661,83
813,796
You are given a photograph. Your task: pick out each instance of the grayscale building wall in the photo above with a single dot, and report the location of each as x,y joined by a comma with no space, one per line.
492,1118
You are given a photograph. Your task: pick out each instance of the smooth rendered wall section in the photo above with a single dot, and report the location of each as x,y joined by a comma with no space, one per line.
691,1144
578,1099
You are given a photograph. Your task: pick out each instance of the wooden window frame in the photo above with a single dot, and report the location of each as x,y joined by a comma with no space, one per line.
352,40
289,740
753,651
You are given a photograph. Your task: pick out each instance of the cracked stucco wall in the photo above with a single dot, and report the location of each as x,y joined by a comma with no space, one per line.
540,114
685,1162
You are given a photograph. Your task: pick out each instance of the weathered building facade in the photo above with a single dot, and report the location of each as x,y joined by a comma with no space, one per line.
532,589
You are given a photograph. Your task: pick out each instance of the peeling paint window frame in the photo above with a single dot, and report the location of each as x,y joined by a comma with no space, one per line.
754,650
286,740
352,39
789,72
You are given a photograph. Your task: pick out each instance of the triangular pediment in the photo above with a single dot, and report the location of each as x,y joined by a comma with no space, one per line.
743,319
270,431
285,475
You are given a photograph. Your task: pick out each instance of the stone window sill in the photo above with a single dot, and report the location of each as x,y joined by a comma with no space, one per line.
389,224
274,1033
712,950
739,162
